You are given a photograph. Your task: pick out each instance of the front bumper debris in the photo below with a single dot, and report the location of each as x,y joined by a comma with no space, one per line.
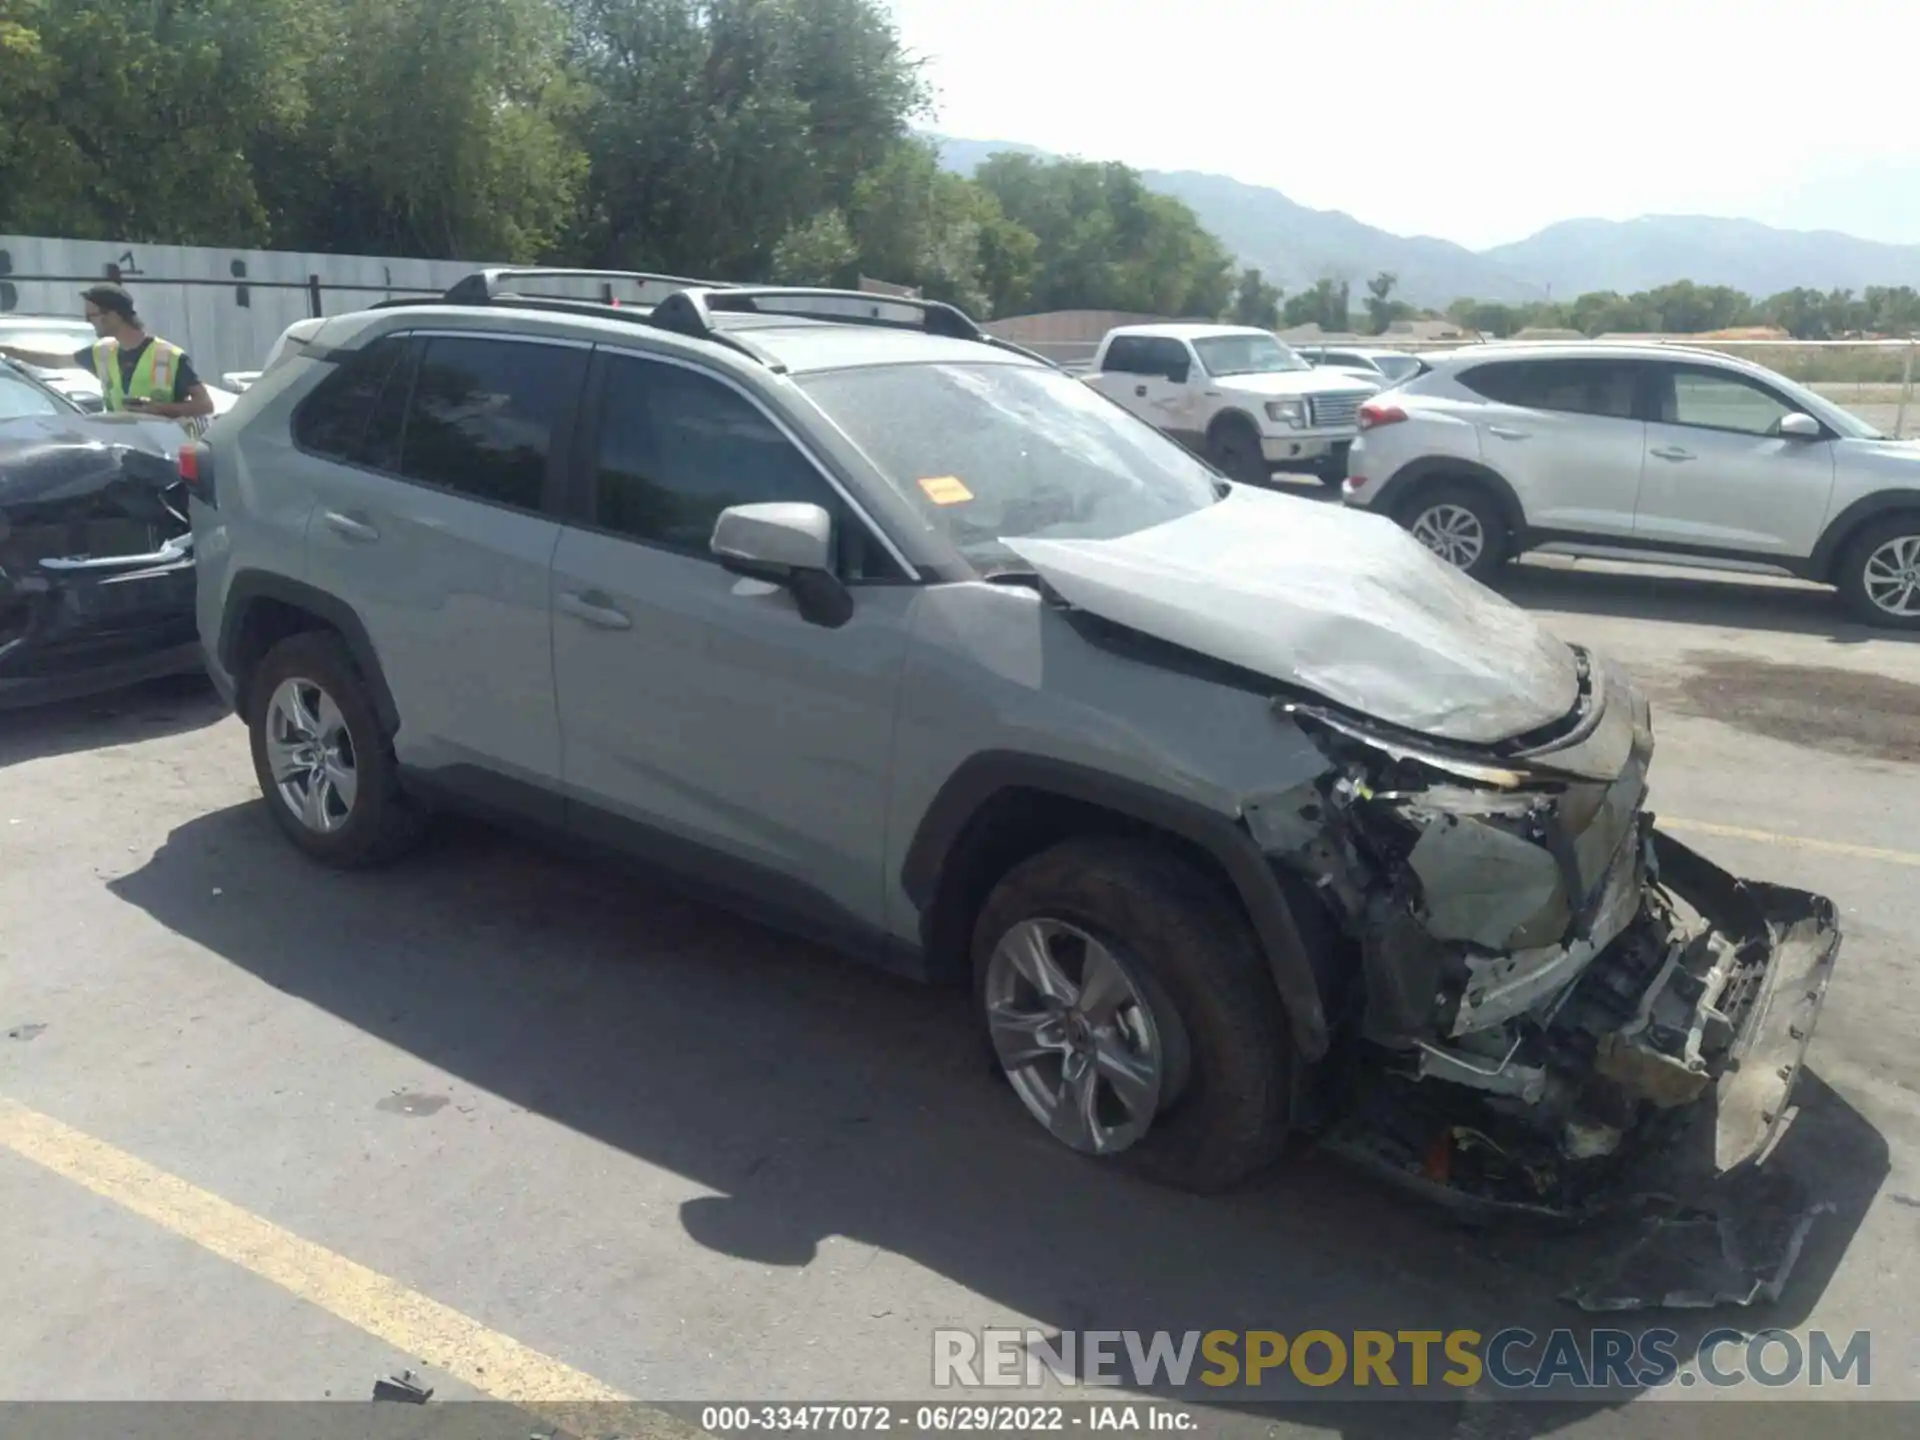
1714,1024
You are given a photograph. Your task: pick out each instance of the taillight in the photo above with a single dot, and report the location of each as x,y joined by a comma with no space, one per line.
196,471
1356,483
1376,413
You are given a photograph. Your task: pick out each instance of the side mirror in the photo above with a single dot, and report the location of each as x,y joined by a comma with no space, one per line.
785,544
1180,373
1800,427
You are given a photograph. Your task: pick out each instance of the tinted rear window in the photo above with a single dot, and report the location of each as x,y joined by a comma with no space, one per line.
487,415
1576,387
332,420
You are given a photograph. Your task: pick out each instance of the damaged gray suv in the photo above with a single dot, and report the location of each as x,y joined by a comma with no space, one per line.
1243,818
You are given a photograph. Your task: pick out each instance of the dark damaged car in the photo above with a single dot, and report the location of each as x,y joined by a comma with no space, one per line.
96,549
1244,817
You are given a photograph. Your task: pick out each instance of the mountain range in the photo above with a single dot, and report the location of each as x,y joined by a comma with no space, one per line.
1295,246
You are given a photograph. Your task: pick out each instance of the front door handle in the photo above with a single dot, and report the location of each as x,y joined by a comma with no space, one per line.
1673,452
351,528
592,608
1140,390
1505,434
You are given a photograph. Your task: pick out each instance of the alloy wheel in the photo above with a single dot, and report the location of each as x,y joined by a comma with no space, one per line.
1452,532
1075,1035
1892,577
310,752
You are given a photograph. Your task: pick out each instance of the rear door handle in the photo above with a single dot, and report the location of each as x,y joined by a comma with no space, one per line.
351,528
591,608
1505,434
1673,452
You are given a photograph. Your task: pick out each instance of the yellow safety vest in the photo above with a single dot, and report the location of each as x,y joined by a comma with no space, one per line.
153,376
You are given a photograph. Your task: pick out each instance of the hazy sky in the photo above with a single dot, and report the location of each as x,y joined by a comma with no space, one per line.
1477,120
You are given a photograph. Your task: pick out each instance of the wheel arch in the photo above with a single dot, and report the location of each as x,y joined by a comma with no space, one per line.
999,808
1232,415
1824,564
1416,475
263,609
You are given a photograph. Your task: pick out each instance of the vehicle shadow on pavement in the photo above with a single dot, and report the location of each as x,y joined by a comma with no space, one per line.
825,1099
1724,600
148,711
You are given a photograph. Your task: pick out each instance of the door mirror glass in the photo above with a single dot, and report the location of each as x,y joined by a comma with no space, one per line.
1800,427
1178,370
789,544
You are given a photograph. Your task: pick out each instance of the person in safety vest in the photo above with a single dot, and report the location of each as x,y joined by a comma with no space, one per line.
138,373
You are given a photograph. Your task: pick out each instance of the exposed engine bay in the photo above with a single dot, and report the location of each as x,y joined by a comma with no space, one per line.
1544,980
96,560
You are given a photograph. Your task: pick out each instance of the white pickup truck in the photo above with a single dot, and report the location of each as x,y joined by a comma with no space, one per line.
1235,394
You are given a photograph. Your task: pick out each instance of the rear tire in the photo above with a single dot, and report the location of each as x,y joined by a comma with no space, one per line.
1462,524
1233,445
1879,573
324,764
1202,1012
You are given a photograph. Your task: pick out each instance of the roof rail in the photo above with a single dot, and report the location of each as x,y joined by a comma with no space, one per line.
493,284
691,311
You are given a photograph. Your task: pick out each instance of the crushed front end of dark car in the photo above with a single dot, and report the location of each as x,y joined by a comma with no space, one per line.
96,561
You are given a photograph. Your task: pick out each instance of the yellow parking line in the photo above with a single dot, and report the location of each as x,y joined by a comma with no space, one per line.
1797,842
435,1334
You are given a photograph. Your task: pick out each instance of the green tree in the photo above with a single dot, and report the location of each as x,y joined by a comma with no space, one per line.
128,120
821,251
438,128
1326,305
716,129
1106,242
1380,310
917,224
1255,302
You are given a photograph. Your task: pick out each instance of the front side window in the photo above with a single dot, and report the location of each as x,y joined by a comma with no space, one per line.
677,448
486,415
1715,400
1247,355
988,450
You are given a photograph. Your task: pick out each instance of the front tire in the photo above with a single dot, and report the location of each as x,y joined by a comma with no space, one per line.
1879,575
1234,448
1462,524
324,765
1129,1007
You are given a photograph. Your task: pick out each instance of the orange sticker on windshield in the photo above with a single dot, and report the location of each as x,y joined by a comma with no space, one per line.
946,490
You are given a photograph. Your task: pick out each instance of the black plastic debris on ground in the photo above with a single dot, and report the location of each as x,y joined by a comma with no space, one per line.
1737,1245
24,1032
402,1388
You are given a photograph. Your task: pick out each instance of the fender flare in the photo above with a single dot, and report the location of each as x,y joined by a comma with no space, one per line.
989,774
1844,526
251,586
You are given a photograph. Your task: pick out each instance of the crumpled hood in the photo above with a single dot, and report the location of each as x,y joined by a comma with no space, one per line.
1279,384
1333,600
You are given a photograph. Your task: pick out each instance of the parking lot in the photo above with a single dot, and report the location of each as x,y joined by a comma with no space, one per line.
529,1128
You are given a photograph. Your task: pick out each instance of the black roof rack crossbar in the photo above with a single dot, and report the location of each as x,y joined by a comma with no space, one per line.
494,283
691,311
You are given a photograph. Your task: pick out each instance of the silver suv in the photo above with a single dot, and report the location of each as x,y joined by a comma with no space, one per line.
1241,815
1648,452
